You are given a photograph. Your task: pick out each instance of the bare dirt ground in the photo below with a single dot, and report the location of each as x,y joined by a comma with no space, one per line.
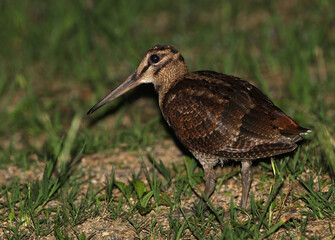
96,167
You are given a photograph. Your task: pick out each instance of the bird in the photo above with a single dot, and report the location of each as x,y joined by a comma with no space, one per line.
217,117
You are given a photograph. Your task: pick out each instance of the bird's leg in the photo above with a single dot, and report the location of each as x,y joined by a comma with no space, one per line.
209,179
246,181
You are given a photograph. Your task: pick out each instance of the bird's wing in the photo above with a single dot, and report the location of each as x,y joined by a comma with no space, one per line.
226,116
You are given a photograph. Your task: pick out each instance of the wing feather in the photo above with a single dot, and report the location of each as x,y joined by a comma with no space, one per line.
228,117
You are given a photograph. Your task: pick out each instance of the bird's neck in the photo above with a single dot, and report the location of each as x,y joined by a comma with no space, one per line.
168,80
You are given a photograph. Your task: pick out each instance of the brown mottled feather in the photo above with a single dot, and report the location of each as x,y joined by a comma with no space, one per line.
227,117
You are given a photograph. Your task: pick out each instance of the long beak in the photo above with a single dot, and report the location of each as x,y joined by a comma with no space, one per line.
131,82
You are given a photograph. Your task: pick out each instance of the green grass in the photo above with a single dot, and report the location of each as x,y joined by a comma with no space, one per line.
59,58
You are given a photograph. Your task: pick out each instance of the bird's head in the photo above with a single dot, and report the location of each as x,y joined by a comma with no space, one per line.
162,65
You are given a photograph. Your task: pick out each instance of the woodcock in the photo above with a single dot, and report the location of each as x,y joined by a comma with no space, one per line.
216,116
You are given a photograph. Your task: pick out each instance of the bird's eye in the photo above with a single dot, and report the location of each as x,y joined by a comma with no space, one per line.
154,58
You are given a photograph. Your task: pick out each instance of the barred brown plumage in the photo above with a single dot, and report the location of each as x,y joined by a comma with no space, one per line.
216,116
